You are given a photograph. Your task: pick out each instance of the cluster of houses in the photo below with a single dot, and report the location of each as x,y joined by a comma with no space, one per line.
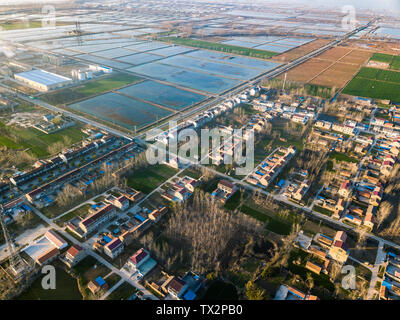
206,116
348,128
13,209
180,190
367,195
103,212
67,156
390,288
113,242
386,127
323,250
83,176
266,172
179,288
295,111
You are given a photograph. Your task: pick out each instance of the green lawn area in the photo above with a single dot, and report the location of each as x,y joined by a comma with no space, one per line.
90,88
376,84
112,279
81,211
342,157
123,292
84,265
36,141
147,179
233,202
273,224
263,54
322,210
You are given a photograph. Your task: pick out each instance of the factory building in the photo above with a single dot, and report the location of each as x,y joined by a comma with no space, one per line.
42,80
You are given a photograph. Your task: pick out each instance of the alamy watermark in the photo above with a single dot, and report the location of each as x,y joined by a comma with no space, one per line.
349,21
349,280
212,146
48,21
49,280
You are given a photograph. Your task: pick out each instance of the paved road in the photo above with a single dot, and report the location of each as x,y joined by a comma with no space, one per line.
112,289
380,256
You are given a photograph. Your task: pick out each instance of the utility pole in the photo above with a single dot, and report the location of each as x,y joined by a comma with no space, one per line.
17,266
284,82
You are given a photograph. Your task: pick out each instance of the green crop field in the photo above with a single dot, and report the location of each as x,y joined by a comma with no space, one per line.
35,141
90,88
263,54
379,74
381,57
19,24
394,61
376,84
395,65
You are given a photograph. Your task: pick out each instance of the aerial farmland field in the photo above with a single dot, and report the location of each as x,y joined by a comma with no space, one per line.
375,83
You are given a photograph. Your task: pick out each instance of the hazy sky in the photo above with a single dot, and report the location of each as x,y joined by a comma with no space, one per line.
364,4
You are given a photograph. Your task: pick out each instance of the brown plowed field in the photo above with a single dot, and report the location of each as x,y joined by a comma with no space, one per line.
333,68
301,51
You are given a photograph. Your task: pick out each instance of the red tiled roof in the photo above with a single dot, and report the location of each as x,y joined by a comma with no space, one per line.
48,255
138,256
74,250
176,285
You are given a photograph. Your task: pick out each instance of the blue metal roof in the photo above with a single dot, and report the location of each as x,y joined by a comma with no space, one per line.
189,295
101,282
107,239
139,217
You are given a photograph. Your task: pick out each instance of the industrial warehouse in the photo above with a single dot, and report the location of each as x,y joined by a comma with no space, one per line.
42,80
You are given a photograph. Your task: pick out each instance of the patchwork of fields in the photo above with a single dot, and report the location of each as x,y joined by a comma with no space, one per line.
333,68
376,84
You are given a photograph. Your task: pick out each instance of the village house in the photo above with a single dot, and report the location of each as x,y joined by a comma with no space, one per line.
339,250
101,216
121,202
97,284
156,214
345,189
74,255
224,191
290,293
114,248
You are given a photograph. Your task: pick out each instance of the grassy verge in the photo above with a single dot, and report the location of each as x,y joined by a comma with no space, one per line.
256,53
